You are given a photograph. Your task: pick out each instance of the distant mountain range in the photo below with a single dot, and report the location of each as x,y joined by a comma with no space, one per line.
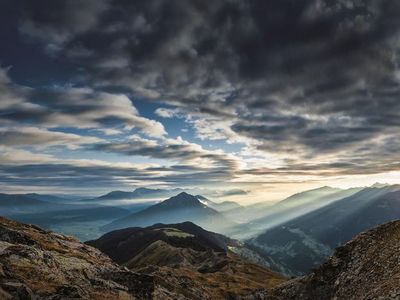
180,208
219,206
139,193
292,207
29,203
256,218
245,214
151,193
54,198
71,216
8,201
303,243
54,214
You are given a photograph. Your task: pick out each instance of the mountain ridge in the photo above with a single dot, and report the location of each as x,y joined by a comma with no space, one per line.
304,242
207,261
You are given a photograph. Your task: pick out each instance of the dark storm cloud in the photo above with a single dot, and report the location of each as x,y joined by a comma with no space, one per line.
320,136
323,58
305,77
55,23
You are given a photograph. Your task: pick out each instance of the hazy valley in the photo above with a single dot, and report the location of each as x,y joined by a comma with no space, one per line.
292,236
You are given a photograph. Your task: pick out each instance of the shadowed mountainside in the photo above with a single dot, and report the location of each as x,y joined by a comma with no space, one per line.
304,243
192,258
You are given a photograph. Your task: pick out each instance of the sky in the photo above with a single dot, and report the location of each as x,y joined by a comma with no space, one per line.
266,96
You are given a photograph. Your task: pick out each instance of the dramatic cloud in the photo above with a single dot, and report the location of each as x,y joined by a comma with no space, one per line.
282,88
310,75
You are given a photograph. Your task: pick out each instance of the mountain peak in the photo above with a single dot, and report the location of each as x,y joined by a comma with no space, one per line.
140,190
176,209
184,195
183,199
113,193
379,185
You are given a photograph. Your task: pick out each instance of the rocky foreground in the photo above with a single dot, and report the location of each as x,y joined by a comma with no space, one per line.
367,267
38,264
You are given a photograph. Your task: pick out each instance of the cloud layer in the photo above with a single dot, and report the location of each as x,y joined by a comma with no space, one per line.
306,88
286,74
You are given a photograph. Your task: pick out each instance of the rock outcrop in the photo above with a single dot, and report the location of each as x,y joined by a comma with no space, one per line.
38,264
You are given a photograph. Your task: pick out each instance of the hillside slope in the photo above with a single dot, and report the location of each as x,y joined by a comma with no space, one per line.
368,267
123,244
192,259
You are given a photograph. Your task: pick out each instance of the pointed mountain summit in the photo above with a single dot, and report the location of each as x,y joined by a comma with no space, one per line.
180,208
182,200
